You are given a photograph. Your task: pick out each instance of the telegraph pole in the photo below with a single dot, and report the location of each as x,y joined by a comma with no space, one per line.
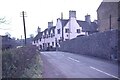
110,21
23,15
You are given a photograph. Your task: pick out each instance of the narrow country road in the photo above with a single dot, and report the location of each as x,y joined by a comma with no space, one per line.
67,65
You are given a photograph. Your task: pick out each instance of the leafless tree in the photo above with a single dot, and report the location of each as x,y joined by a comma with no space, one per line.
2,20
31,36
8,34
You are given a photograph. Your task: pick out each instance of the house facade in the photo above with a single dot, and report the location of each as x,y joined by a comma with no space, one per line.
64,30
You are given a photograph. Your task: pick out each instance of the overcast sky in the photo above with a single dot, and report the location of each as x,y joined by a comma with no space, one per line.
40,12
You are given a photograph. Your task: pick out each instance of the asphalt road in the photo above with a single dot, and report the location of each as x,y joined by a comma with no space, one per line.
68,65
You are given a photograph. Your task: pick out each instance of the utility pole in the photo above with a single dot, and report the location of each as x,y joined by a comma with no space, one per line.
110,21
23,15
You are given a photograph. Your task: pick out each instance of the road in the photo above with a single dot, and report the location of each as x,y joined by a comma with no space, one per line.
67,65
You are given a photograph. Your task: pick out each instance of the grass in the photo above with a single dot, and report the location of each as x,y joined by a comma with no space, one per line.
23,62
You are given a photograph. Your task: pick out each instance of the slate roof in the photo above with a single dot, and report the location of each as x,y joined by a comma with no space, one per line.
86,26
64,22
45,31
53,29
39,35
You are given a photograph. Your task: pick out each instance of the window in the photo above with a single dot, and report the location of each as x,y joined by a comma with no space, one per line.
67,35
52,43
37,41
51,35
47,36
43,44
40,39
48,44
43,36
78,30
58,31
66,39
66,30
40,46
59,41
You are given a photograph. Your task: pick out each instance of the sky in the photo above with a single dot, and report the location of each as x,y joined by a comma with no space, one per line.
40,12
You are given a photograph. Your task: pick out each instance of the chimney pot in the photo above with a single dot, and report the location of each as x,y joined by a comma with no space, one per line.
87,18
72,14
38,29
50,24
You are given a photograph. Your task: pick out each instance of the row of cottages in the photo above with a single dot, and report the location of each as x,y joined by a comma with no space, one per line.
64,30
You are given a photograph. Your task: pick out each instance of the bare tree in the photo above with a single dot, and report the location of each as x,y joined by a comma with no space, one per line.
2,20
31,36
8,34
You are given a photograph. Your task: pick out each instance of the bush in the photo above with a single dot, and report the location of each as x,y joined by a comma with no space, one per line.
15,61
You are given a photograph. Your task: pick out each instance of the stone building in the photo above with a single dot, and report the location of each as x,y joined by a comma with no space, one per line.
107,14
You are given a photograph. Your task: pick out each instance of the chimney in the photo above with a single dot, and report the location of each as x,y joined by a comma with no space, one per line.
50,24
87,18
38,29
72,14
61,15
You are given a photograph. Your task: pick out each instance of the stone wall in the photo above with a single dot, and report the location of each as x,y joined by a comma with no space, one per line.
97,44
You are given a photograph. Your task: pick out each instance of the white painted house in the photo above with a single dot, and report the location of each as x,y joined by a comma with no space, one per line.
65,29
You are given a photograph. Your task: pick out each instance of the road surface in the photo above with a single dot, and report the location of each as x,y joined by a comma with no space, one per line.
67,65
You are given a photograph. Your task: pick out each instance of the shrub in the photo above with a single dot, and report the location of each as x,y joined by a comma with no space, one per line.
15,61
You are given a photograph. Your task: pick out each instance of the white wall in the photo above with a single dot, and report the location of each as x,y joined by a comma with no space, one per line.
73,26
58,26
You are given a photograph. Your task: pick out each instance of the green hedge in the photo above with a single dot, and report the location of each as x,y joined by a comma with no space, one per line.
16,61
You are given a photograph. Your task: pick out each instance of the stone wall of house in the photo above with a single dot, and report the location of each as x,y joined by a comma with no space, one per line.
103,13
97,44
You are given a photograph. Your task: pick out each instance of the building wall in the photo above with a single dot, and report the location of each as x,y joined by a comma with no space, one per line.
72,25
103,13
58,26
46,41
58,36
98,44
119,15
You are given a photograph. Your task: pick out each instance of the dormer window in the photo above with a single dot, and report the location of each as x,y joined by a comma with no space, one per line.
37,41
66,30
78,30
58,31
40,39
51,31
51,35
43,36
48,35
